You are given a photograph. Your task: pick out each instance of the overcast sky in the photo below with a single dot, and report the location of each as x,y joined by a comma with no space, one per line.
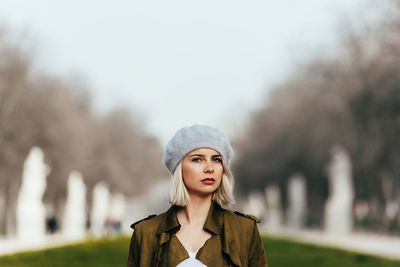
177,62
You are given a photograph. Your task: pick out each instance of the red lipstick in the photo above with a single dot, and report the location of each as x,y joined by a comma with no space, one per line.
208,181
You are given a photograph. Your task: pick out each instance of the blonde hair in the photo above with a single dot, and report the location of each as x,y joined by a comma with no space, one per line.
179,196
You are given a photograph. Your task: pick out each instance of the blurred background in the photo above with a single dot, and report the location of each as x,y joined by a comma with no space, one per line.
91,91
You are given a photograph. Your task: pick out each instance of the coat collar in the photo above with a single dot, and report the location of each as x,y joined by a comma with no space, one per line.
217,223
169,221
213,224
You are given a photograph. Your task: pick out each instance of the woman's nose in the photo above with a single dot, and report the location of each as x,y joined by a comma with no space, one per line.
209,167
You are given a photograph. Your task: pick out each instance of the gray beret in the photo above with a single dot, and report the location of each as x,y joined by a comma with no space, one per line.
188,139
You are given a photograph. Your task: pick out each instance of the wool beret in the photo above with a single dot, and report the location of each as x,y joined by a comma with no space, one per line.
197,136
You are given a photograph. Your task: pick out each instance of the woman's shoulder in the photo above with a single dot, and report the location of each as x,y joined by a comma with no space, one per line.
239,227
248,216
149,223
149,220
241,218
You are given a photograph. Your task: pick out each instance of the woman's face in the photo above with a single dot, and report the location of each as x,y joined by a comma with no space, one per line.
202,171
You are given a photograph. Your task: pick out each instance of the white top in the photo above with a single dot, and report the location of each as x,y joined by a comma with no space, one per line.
191,261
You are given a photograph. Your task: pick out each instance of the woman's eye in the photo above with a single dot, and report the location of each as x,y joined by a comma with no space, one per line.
217,159
196,159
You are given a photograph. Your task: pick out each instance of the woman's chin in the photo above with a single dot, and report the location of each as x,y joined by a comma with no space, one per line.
202,193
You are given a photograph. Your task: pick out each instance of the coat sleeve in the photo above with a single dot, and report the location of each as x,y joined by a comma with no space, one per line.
257,257
134,250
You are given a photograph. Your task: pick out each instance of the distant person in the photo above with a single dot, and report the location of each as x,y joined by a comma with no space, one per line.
52,225
196,230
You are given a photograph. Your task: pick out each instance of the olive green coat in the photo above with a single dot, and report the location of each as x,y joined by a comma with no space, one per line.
234,241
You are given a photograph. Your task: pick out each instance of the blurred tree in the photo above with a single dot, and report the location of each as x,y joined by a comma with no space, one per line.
56,115
15,140
351,99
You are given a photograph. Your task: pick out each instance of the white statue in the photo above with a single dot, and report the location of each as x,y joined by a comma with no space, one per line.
274,207
100,208
297,196
256,205
117,207
338,209
74,221
31,214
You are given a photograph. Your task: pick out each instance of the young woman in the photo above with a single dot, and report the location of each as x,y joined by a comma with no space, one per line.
197,230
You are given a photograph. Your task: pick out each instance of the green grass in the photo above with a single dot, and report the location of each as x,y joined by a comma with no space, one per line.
285,253
113,252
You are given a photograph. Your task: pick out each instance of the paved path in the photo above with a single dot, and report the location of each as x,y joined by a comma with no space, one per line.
10,246
368,243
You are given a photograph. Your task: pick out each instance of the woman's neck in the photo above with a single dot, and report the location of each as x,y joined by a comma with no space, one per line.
196,211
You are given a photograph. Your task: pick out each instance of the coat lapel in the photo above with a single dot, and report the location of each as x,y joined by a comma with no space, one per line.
228,243
217,223
176,252
168,242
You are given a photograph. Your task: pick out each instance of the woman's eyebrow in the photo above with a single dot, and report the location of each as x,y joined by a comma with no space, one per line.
201,155
196,155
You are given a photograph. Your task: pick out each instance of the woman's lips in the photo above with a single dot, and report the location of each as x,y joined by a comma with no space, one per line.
208,181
